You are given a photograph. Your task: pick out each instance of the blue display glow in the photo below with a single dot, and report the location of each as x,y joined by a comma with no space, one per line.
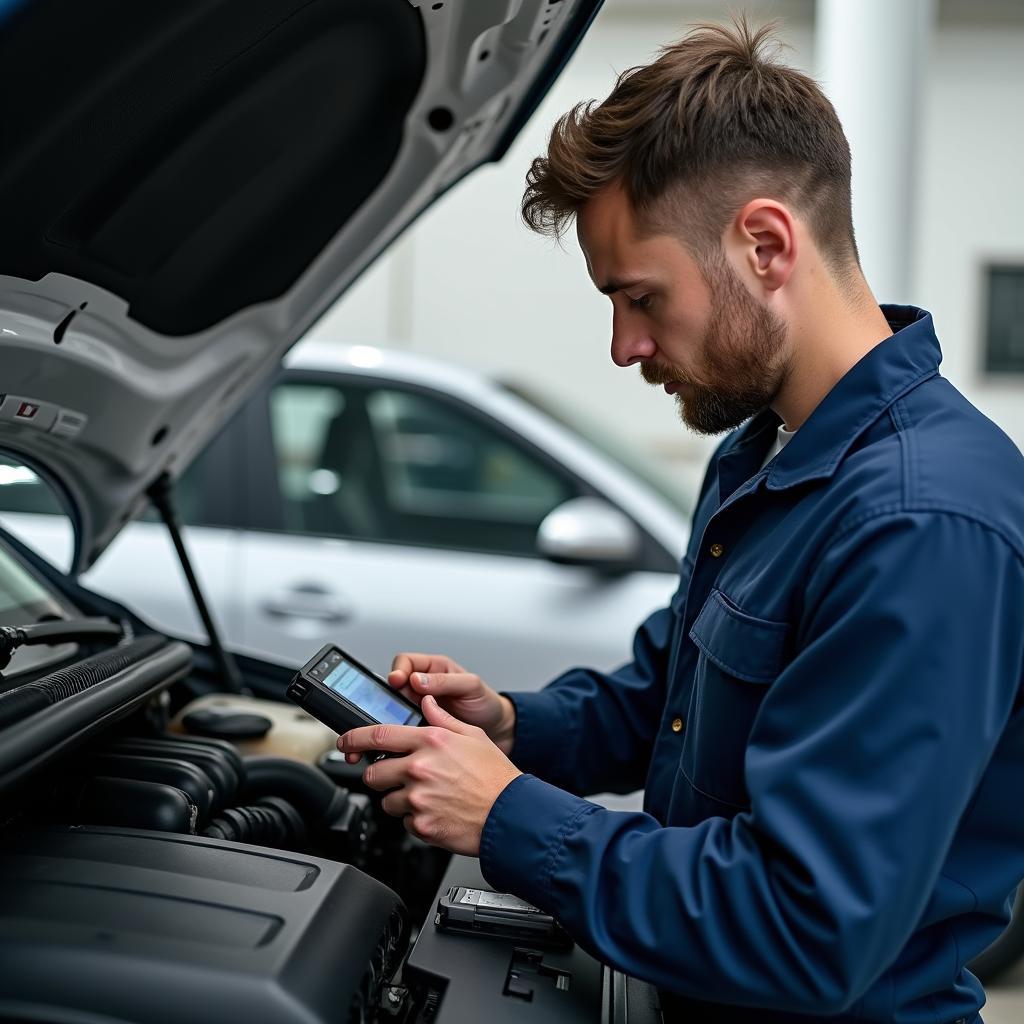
369,695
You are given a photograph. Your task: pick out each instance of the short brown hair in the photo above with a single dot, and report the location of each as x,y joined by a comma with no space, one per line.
716,115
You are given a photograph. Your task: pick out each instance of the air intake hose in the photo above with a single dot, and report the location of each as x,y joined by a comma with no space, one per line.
306,788
269,822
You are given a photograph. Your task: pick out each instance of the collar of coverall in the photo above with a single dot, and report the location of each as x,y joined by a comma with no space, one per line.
891,369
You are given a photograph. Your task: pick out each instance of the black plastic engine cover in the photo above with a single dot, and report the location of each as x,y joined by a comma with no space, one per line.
133,925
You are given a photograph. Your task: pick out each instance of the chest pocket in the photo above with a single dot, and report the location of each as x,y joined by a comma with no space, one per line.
739,657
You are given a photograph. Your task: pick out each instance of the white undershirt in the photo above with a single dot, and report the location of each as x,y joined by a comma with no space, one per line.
782,438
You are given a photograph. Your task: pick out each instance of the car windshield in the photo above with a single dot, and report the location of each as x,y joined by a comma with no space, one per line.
677,492
22,599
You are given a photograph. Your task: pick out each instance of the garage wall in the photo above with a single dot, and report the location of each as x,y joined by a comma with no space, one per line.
972,197
469,283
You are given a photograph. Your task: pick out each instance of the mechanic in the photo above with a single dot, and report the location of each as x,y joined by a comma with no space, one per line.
827,719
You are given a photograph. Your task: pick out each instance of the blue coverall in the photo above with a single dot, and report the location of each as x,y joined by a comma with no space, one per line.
828,722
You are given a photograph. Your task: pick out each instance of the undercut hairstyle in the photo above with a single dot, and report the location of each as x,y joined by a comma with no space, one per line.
714,122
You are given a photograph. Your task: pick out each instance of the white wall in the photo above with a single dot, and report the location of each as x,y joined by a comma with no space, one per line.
971,204
470,283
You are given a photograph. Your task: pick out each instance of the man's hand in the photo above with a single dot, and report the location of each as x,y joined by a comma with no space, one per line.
447,782
461,693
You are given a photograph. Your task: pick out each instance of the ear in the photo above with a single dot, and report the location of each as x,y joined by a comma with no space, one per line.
763,237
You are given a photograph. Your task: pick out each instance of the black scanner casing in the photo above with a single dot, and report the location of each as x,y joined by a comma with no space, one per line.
331,708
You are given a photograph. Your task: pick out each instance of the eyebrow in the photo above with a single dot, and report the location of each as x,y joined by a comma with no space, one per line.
617,286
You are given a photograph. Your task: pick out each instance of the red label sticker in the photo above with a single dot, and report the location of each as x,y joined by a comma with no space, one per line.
27,410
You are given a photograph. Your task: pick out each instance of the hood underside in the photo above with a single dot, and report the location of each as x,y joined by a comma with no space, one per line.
187,187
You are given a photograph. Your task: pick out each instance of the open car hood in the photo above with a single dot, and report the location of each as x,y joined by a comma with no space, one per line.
186,188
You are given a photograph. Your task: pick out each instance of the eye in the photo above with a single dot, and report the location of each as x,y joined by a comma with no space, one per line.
641,302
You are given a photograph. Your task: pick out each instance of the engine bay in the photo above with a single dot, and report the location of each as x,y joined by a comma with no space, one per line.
170,852
179,842
149,866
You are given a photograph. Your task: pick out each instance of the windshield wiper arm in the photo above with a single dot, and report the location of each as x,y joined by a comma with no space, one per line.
59,632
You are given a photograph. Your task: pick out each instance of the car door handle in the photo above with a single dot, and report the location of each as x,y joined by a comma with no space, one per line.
307,601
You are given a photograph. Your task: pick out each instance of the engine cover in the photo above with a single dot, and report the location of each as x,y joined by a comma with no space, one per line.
134,925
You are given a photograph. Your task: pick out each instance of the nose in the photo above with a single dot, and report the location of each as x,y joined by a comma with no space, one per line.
630,342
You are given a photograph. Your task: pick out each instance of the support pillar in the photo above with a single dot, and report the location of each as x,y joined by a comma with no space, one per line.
870,59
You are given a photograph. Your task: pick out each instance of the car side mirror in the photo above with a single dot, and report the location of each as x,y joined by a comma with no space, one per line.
589,531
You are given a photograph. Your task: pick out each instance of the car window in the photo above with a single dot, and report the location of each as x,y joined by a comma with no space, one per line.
22,599
382,463
195,493
300,417
630,457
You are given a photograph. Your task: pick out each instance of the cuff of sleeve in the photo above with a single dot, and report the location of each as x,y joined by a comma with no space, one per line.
539,739
522,835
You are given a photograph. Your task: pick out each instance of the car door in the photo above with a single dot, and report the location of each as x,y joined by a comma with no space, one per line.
398,518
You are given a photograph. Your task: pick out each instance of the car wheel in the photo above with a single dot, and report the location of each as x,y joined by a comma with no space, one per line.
1006,950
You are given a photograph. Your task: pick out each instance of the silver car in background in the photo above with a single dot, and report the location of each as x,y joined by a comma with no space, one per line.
387,501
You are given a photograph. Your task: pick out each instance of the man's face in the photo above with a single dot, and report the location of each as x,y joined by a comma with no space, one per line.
699,333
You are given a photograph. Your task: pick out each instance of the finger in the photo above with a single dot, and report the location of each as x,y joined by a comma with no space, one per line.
395,739
442,663
388,773
400,681
407,821
401,666
396,804
352,758
404,664
436,715
445,684
397,678
416,661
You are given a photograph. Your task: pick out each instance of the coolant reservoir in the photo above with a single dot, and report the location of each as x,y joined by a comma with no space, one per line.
257,726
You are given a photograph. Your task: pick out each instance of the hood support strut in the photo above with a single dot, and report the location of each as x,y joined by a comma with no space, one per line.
162,495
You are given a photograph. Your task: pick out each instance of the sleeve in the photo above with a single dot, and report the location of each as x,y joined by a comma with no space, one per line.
592,732
862,759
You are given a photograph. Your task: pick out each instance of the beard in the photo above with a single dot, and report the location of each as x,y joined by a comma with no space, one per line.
742,353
